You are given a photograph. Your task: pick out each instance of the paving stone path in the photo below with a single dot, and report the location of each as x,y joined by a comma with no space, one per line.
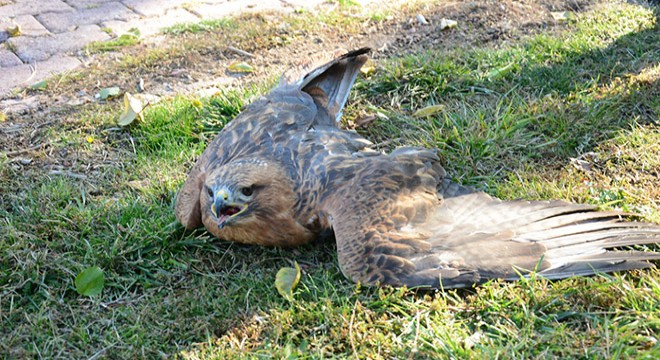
52,32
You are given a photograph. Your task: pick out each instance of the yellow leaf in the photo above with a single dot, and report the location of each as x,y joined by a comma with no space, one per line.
90,139
286,280
14,31
133,107
196,103
367,70
428,111
241,67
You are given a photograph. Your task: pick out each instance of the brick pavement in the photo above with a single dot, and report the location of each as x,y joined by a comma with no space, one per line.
52,32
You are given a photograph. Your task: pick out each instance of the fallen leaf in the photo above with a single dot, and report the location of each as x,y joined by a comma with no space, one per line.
80,100
90,282
90,139
428,111
499,72
581,165
241,67
196,103
562,15
39,85
421,19
447,24
585,161
474,339
365,121
367,70
382,116
139,184
3,117
14,31
286,280
108,92
133,107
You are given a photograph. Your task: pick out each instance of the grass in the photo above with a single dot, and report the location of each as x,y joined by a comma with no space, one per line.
591,89
128,39
202,26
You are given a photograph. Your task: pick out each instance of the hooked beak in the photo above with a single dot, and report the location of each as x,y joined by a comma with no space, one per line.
223,209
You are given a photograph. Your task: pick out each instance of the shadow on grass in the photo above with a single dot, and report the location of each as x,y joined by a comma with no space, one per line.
561,97
578,70
588,97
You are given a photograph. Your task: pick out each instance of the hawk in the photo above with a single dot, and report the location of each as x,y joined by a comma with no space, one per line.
283,171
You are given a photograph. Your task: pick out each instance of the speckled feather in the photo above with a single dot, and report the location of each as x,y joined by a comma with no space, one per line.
397,219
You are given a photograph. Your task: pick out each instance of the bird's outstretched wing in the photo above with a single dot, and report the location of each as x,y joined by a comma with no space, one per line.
399,222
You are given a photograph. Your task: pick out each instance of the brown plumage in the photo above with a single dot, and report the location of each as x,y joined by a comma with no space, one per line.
282,172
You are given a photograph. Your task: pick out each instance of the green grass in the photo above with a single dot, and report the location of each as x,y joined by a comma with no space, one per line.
592,87
128,39
202,26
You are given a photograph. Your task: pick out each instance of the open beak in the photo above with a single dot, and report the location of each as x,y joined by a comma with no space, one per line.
223,209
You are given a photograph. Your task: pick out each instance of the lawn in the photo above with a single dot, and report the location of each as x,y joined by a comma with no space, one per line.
563,109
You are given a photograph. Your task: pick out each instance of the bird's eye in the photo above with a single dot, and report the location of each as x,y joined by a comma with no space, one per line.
247,191
209,191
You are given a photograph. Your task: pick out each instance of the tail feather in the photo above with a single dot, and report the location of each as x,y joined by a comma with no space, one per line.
589,268
588,243
508,238
582,231
583,216
618,256
608,238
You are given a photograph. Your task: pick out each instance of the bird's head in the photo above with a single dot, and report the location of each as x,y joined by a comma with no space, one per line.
243,192
230,204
